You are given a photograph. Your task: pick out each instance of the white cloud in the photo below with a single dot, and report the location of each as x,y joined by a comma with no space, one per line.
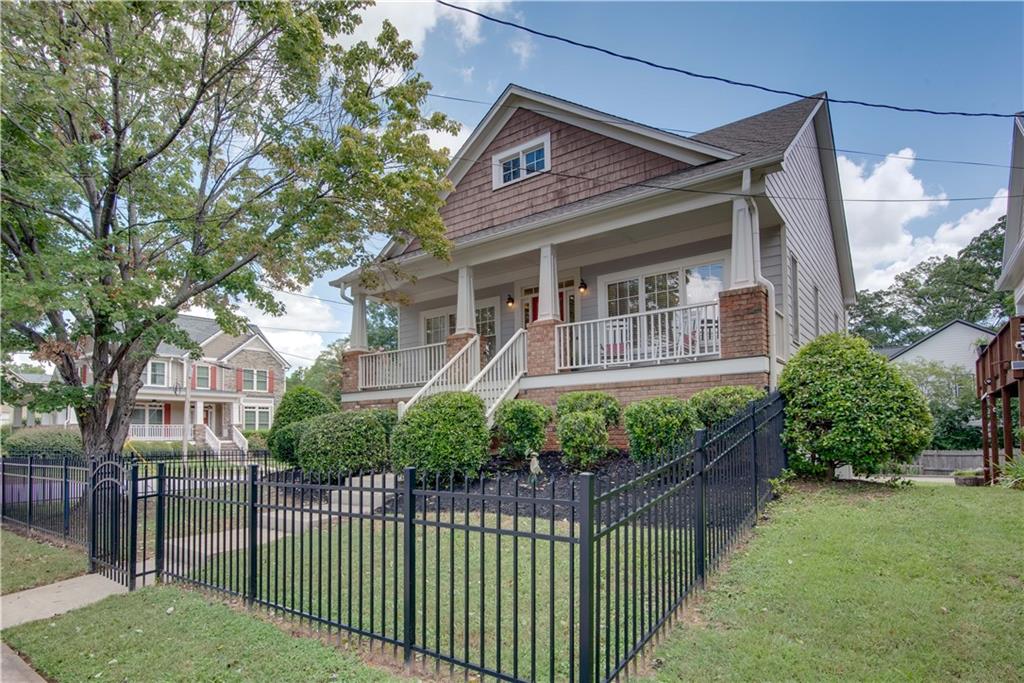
415,19
522,48
297,337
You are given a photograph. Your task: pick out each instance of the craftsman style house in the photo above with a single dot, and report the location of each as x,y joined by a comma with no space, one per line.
235,386
593,252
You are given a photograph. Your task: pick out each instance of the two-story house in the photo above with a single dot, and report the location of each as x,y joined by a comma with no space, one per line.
236,385
593,252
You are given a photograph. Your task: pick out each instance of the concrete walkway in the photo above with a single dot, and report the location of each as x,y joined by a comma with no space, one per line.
56,598
14,669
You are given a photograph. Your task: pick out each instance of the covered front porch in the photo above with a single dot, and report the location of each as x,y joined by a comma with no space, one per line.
214,424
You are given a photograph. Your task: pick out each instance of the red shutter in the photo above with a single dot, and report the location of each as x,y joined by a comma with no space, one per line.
167,413
193,377
270,381
238,379
85,374
213,376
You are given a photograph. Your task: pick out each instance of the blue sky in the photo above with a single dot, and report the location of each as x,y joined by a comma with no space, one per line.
942,56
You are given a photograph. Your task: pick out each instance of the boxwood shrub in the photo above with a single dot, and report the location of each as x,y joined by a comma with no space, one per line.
847,405
442,434
343,441
720,403
301,403
284,441
584,438
522,427
578,401
51,442
658,427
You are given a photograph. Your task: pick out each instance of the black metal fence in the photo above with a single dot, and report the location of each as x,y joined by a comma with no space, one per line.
563,579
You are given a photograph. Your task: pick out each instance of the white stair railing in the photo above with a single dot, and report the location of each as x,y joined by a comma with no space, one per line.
500,379
239,438
454,376
212,441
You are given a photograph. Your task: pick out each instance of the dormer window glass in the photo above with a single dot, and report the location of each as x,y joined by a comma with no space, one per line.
521,162
510,170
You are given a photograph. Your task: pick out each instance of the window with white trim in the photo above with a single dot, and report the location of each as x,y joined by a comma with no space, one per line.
151,414
254,380
664,287
437,328
157,374
256,417
202,377
521,162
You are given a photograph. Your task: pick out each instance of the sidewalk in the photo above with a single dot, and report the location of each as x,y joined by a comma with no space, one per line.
56,598
14,669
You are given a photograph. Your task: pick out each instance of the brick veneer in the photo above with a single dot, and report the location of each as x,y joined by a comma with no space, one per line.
391,403
540,347
455,342
743,322
350,371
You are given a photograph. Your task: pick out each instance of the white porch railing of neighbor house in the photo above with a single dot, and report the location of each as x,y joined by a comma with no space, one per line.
454,376
500,378
670,334
239,439
212,440
156,432
401,368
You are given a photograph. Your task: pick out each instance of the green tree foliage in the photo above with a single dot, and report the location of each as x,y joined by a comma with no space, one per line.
659,427
301,403
521,427
846,404
950,392
158,156
443,434
324,375
936,291
381,326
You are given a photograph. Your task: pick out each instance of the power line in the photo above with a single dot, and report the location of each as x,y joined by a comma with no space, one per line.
292,329
721,79
670,129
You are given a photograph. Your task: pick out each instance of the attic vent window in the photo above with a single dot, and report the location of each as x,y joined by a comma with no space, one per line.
522,161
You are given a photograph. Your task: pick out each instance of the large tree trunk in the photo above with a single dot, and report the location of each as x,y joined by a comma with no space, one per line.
104,427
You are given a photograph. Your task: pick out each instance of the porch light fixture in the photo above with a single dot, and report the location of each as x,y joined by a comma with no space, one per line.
583,286
509,301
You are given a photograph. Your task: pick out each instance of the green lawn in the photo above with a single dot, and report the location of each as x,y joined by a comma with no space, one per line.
26,563
169,634
861,582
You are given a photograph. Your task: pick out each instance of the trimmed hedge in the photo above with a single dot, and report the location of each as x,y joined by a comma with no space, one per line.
584,438
658,427
521,427
387,418
301,403
344,441
442,434
846,404
44,442
718,404
284,441
257,438
598,401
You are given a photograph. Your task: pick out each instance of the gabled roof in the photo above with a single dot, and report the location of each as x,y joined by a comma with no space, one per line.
33,377
933,333
201,330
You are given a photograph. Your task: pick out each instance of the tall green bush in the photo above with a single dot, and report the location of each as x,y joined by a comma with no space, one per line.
387,418
257,438
658,427
43,442
522,427
579,401
584,438
444,433
283,442
720,403
301,403
344,441
846,404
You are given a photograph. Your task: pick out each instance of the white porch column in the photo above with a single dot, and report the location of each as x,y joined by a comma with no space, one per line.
744,271
16,417
236,414
357,338
547,299
465,304
199,412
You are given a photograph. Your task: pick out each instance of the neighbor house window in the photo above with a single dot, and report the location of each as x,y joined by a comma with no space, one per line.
254,380
148,415
157,373
202,376
257,417
523,161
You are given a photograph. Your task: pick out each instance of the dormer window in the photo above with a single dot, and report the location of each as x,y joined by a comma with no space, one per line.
523,161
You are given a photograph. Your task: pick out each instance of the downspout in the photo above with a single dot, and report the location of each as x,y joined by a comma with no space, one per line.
755,229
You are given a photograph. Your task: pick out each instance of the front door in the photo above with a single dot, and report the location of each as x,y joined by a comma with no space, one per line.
208,417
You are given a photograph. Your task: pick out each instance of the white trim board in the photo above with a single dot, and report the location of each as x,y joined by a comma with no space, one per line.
730,366
381,395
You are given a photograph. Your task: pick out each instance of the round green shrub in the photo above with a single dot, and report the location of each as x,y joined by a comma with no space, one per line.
386,418
442,434
579,401
49,442
522,427
284,441
847,405
257,438
345,441
584,438
718,404
658,427
301,403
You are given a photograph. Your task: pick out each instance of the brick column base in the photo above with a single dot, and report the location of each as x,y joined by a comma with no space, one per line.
743,322
540,347
350,371
456,342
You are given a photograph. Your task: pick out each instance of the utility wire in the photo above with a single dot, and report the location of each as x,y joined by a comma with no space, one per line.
721,79
620,121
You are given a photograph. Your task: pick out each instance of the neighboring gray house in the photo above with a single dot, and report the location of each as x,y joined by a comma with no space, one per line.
20,415
955,343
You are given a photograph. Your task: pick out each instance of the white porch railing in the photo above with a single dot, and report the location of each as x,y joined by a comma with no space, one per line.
156,432
212,440
500,379
671,334
239,438
454,376
401,368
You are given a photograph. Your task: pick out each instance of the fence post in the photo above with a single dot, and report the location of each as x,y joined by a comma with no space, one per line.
133,526
586,516
66,495
161,518
90,513
254,535
701,522
30,490
753,435
409,563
